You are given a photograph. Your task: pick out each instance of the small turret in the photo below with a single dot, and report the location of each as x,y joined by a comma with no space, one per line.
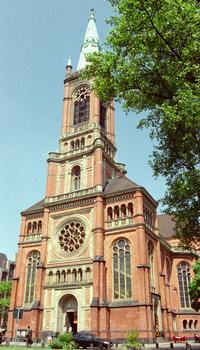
69,67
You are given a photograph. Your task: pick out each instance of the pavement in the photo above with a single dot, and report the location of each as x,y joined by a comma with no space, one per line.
163,346
171,345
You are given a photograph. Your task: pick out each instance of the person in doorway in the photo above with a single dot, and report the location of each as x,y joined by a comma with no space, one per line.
64,329
70,329
29,341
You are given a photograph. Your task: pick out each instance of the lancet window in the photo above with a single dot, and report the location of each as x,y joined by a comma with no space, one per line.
32,263
151,263
183,272
121,269
103,111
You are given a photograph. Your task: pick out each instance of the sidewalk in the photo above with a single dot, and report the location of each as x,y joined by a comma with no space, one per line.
167,345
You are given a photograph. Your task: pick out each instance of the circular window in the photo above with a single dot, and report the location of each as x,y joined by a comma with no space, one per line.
72,236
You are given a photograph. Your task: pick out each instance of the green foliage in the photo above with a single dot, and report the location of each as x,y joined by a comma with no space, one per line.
64,341
151,63
56,344
4,303
5,289
194,287
66,337
132,339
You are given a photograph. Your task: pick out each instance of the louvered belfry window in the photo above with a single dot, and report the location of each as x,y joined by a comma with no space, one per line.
81,105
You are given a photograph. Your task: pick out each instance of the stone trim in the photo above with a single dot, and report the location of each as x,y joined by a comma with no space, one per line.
71,204
119,197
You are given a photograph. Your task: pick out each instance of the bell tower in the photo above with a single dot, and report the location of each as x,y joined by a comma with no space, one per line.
86,156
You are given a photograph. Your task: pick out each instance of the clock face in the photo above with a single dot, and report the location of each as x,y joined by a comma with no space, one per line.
82,93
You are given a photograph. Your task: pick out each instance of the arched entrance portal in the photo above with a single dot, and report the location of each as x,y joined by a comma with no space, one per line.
68,313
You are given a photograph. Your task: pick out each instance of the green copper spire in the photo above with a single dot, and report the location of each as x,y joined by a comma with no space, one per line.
91,41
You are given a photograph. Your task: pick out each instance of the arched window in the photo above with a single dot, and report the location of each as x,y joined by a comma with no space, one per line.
34,227
76,178
184,324
81,105
130,209
103,111
168,270
195,324
58,277
29,228
116,212
72,145
121,269
80,275
183,271
151,263
63,277
190,324
109,214
50,277
77,144
123,210
39,226
83,142
33,261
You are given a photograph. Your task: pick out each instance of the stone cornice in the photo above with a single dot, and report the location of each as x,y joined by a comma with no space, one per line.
71,204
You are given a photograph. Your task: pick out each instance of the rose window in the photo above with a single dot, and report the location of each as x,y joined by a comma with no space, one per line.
72,236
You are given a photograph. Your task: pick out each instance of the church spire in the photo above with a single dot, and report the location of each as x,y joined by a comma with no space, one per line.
91,41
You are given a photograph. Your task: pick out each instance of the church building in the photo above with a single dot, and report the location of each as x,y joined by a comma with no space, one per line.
93,254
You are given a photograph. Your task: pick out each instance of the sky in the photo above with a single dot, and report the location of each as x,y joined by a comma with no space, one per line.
36,39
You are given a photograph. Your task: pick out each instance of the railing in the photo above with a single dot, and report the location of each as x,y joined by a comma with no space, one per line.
55,155
71,195
66,283
33,237
120,222
80,128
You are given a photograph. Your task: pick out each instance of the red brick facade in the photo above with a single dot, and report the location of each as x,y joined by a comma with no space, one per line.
91,254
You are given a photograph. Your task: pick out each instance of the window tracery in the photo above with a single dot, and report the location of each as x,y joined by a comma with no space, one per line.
121,269
32,263
183,272
72,236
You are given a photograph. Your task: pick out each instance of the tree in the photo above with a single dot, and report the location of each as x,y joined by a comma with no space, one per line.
5,290
151,63
194,287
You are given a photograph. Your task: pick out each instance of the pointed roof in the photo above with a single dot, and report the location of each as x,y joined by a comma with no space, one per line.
165,225
119,184
91,41
37,206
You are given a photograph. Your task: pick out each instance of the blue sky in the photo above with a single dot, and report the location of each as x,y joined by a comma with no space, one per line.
36,39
